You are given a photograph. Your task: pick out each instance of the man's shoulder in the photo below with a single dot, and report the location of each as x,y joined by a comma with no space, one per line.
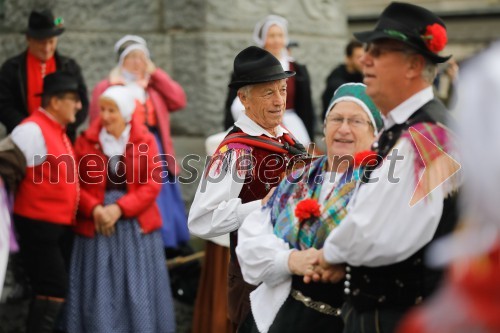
14,62
65,62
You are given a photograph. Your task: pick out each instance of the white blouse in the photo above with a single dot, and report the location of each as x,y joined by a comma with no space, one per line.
216,208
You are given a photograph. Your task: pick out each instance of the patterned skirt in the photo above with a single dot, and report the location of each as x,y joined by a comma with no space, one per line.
119,283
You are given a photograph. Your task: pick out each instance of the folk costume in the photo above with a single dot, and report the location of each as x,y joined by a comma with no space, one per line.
299,117
248,163
45,204
21,77
283,302
394,218
155,102
119,283
469,299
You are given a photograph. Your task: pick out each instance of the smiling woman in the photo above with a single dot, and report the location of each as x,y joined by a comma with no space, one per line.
283,302
118,228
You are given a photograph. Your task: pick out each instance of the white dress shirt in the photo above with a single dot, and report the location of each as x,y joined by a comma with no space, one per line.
29,139
381,228
216,208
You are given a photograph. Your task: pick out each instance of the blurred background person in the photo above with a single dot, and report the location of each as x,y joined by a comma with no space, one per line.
349,71
21,77
469,300
276,247
156,95
47,197
118,278
271,34
444,84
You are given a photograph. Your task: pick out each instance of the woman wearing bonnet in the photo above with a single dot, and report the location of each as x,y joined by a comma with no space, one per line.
271,33
156,95
277,245
118,278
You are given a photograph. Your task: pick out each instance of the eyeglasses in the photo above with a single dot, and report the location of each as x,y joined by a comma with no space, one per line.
352,122
74,98
376,51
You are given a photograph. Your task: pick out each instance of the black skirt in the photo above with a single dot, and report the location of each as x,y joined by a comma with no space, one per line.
295,317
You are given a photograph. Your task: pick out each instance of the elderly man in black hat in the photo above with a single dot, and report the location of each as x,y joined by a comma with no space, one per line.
47,198
394,216
247,164
21,77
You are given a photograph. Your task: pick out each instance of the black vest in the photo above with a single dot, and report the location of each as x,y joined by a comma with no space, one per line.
406,283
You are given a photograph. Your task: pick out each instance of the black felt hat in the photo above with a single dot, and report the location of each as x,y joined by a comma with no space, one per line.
413,25
256,65
59,82
42,25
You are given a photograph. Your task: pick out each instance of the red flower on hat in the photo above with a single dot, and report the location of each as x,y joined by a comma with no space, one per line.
306,209
365,158
435,37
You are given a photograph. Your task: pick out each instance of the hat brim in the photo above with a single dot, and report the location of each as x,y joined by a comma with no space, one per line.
43,34
58,91
241,83
370,36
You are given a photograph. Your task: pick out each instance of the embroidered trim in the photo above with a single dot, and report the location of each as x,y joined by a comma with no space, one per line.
318,306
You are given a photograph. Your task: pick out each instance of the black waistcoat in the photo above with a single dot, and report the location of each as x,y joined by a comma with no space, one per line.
406,283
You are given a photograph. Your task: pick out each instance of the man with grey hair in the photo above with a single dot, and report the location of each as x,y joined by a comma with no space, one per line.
394,217
248,163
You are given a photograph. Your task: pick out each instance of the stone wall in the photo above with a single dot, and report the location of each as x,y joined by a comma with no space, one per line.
193,40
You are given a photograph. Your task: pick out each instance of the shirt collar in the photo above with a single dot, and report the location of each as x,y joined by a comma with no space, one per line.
250,127
51,117
403,111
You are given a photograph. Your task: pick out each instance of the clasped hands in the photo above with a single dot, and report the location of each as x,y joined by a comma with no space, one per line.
105,218
312,266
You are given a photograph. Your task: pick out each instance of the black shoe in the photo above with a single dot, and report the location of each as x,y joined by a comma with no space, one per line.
42,316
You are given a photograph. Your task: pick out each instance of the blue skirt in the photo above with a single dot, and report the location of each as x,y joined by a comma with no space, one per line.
119,283
174,231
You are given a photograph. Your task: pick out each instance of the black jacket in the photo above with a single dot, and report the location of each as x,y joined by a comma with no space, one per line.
337,77
13,90
303,100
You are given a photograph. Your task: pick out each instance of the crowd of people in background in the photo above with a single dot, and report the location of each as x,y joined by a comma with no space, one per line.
359,239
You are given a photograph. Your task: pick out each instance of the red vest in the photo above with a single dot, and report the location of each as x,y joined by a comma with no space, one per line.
49,192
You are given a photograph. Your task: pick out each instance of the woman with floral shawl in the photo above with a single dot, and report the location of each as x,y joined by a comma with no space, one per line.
277,244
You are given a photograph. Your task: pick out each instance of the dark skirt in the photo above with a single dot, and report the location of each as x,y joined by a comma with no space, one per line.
295,317
119,283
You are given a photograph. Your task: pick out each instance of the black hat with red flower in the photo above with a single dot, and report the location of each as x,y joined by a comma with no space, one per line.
413,25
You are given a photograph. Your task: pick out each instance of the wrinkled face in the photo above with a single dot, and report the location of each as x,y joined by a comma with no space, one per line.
385,66
136,63
275,40
354,61
111,118
348,130
64,108
42,49
265,103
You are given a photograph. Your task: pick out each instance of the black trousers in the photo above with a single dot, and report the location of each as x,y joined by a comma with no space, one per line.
295,317
381,320
45,252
